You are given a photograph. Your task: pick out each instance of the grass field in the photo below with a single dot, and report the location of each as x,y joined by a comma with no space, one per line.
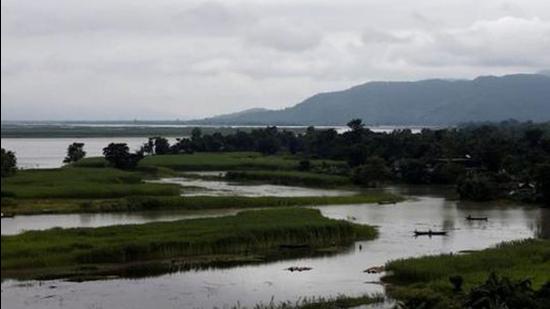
81,183
91,250
81,188
429,276
135,203
295,178
220,161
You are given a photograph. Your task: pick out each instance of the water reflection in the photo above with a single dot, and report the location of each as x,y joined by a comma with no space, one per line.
18,224
331,275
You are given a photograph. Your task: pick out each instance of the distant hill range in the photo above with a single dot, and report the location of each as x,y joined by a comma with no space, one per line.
426,102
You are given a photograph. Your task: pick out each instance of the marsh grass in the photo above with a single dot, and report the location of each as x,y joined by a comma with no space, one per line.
290,178
80,183
429,275
237,202
206,161
246,233
146,203
341,301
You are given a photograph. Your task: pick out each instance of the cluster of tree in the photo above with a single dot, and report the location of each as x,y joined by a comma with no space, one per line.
8,163
486,161
119,156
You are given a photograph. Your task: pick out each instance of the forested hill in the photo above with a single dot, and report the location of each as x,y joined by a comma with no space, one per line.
427,102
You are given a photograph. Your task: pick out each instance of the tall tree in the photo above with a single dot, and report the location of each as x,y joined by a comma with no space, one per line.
75,152
8,163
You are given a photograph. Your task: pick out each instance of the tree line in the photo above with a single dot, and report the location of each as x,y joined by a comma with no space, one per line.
484,160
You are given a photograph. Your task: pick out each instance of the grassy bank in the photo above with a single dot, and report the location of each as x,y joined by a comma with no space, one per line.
137,203
427,278
85,251
341,301
83,183
294,178
205,161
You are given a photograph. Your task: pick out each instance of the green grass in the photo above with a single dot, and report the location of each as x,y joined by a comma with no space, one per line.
205,161
290,178
137,203
341,301
429,275
252,232
81,183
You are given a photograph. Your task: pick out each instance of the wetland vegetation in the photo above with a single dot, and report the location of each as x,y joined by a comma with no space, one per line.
445,281
247,235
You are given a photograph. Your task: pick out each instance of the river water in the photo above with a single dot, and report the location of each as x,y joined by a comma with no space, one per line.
49,152
426,208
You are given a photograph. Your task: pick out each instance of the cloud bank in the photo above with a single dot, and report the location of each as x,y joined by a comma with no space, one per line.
168,59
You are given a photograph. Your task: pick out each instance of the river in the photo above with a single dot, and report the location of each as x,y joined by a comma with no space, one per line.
425,208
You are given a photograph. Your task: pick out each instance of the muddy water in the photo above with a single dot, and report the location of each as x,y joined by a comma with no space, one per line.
340,274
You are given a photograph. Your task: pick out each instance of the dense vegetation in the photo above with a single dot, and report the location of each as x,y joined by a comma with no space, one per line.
450,281
8,163
484,161
65,252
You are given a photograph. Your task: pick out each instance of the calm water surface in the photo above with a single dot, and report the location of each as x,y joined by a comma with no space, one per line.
227,188
49,152
340,274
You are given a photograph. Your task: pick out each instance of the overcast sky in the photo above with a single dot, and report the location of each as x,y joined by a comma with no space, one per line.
144,59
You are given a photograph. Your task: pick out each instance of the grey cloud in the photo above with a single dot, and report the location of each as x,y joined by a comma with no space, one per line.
122,59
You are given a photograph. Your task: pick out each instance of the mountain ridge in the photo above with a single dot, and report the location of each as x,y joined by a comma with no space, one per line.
425,102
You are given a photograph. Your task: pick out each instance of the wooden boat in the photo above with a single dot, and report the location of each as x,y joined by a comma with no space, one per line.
429,233
386,202
470,218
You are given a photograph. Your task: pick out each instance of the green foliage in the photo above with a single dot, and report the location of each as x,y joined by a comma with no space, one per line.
75,153
8,163
429,275
478,187
73,182
371,173
543,182
119,156
250,232
502,292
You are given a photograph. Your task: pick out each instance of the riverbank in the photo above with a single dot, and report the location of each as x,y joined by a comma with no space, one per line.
426,280
83,188
250,236
140,203
221,161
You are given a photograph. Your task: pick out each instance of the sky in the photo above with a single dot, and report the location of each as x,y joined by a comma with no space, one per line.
164,59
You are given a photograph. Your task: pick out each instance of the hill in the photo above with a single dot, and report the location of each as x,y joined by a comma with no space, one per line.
426,102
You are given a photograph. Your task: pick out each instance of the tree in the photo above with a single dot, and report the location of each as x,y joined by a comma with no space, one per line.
371,173
8,162
119,156
357,155
268,145
477,187
75,152
543,182
414,171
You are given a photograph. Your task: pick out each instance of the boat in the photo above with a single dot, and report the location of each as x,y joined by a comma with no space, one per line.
429,233
470,218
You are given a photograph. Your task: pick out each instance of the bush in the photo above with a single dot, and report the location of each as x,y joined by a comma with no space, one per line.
477,187
8,163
